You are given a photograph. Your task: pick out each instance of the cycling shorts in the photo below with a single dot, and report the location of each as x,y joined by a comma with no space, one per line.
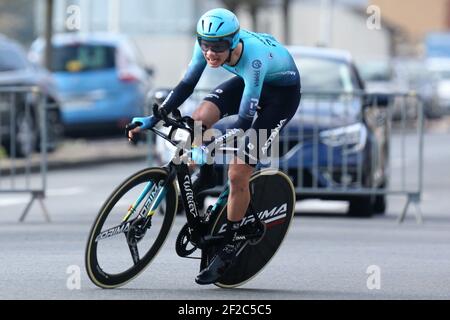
277,105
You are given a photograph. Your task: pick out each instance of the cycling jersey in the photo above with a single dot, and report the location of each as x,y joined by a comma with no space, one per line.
263,61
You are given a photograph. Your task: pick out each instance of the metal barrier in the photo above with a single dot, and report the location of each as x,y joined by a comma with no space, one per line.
351,146
23,129
338,152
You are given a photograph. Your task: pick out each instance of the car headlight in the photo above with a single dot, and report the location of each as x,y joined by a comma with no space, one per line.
353,137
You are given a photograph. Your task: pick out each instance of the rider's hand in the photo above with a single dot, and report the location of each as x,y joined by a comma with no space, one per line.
199,155
144,123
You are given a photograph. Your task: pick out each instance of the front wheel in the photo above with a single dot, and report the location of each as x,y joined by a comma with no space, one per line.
272,199
121,242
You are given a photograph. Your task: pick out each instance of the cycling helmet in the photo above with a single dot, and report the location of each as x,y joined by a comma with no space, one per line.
217,25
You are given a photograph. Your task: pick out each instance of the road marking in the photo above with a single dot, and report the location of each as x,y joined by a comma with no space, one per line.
14,201
61,192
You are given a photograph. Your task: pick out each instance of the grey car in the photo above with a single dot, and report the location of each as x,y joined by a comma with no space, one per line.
16,74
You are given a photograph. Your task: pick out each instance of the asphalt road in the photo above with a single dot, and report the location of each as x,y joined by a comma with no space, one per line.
325,256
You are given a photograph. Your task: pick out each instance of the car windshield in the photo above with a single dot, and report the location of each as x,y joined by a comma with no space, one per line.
444,74
324,74
11,60
82,57
375,71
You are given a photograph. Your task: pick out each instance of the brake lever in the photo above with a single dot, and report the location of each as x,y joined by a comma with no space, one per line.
156,111
177,115
189,121
130,127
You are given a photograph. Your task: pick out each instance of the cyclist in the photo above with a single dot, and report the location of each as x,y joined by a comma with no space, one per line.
267,82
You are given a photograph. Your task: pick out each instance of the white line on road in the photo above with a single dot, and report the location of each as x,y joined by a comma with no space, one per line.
66,191
61,192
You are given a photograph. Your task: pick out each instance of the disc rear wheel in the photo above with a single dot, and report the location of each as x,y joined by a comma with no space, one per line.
273,201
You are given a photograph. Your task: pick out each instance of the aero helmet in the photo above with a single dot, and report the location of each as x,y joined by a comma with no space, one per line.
219,24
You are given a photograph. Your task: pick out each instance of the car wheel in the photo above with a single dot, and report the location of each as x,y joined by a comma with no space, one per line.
380,205
433,111
55,131
25,136
361,207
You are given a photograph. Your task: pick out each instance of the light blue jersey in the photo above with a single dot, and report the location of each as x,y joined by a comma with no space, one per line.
263,60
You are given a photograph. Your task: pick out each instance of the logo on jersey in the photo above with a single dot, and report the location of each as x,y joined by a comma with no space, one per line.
256,64
256,77
253,106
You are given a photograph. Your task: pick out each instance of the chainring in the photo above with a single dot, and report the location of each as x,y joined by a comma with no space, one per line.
183,242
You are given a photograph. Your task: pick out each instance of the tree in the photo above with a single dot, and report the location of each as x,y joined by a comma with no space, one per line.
252,5
17,19
286,21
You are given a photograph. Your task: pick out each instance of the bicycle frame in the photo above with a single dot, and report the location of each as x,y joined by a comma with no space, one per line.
197,223
157,193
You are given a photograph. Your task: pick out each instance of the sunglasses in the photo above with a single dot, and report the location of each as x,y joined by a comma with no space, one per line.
214,46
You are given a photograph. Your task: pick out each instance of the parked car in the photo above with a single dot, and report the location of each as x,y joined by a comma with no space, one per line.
440,70
423,82
17,72
101,81
333,141
382,81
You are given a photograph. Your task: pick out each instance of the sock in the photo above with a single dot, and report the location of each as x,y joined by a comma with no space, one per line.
228,248
232,229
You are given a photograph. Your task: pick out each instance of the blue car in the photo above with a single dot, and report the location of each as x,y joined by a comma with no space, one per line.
100,81
333,143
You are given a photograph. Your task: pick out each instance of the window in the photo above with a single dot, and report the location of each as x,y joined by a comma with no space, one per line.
323,74
82,57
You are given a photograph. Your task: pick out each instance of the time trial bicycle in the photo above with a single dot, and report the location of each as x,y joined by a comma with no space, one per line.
135,220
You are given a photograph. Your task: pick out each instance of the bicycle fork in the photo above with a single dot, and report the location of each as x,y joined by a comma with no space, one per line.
156,192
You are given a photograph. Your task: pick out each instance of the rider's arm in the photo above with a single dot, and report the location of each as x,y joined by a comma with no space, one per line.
253,80
186,86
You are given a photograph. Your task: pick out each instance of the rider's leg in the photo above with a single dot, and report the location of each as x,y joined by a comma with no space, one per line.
238,200
277,106
208,114
239,176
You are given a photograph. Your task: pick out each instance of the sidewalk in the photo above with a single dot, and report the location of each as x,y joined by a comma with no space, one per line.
78,153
